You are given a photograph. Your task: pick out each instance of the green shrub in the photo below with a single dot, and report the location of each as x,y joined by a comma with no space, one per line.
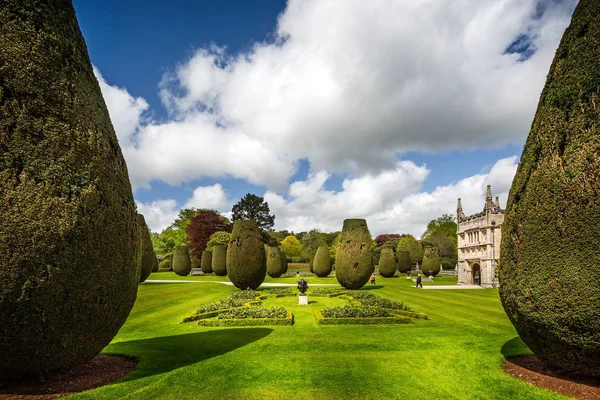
246,266
182,264
275,265
354,256
327,292
146,252
284,261
322,262
288,320
387,263
355,312
431,261
206,262
404,263
218,238
68,232
362,321
219,255
414,248
245,294
254,312
155,264
549,280
164,265
279,292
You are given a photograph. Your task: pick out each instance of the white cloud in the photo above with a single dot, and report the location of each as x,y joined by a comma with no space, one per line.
158,214
348,84
212,197
390,201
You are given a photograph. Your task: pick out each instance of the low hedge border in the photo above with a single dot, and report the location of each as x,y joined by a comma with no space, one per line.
400,319
212,314
289,320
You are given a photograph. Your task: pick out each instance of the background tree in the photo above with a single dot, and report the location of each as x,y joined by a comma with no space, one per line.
386,237
175,234
448,250
217,238
444,225
200,229
410,244
310,243
292,248
254,208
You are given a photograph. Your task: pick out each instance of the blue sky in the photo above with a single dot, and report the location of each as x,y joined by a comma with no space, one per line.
338,97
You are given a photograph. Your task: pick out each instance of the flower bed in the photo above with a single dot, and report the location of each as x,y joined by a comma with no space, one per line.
258,316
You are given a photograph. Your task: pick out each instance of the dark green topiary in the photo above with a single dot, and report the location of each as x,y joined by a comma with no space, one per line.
431,261
246,264
322,262
165,265
146,256
206,263
404,262
387,263
550,263
275,266
155,264
284,261
68,229
219,258
354,256
182,264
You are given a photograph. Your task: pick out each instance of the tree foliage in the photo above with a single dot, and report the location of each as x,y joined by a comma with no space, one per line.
292,247
217,238
255,208
200,228
386,237
410,244
444,225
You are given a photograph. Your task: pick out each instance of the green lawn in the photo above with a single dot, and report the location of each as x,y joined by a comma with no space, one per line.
457,354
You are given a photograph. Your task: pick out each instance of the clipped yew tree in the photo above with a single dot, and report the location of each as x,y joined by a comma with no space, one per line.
431,261
146,256
387,263
219,256
68,229
182,263
284,261
550,263
322,262
155,264
206,262
354,256
275,265
404,262
246,264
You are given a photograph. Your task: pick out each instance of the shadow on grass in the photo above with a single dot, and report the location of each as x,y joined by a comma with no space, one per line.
514,347
163,354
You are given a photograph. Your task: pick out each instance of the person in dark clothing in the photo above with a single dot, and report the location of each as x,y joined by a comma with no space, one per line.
419,280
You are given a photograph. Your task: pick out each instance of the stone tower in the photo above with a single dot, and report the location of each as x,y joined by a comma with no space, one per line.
479,238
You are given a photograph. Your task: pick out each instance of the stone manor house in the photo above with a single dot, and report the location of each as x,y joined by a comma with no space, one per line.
479,238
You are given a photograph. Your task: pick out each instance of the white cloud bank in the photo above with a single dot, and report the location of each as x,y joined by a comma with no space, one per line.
347,84
390,201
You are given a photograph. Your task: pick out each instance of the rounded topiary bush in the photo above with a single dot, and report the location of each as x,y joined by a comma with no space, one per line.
146,252
550,273
68,231
431,261
165,265
181,264
404,263
219,257
275,265
206,263
155,264
387,263
284,261
246,264
322,262
354,255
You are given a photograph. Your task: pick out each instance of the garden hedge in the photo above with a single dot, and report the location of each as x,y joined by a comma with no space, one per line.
550,263
206,262
182,264
275,264
354,256
404,262
68,232
146,252
219,255
387,263
322,262
431,261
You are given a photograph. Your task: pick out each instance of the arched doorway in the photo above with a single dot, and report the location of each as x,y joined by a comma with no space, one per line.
477,274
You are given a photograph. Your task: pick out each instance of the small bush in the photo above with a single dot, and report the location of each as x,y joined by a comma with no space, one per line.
355,312
326,292
164,265
254,312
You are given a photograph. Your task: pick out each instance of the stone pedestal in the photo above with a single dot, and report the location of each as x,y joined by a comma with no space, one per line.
303,300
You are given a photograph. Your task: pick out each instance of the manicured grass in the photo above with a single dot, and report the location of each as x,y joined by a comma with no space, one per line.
457,354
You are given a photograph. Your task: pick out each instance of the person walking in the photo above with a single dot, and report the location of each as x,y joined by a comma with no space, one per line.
373,279
419,280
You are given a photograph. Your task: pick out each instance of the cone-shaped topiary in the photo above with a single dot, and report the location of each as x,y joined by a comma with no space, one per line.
246,264
550,263
219,259
206,262
275,265
165,265
68,230
155,264
322,262
387,263
431,261
354,256
404,262
146,256
182,264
